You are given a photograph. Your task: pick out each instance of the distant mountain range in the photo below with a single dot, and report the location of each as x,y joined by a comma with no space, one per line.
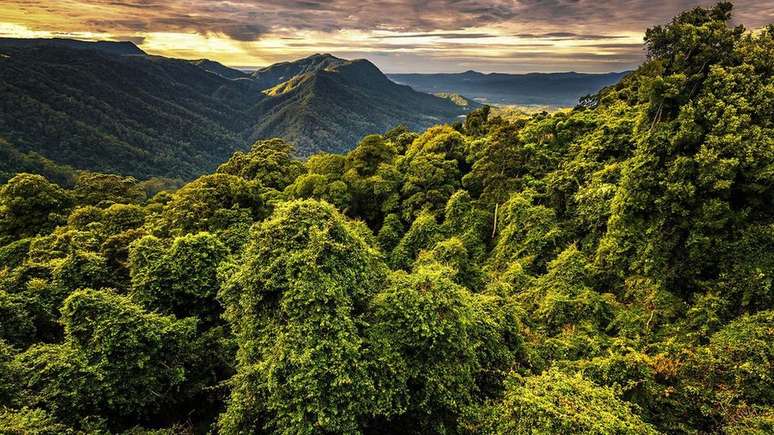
542,89
110,107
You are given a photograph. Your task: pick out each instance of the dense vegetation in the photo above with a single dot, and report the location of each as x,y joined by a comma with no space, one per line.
603,270
108,107
131,114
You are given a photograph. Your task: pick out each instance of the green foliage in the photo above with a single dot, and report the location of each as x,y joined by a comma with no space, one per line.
428,319
528,233
180,279
31,421
204,204
476,121
366,157
81,269
8,377
17,327
140,352
758,422
13,254
270,162
448,339
555,402
296,304
733,372
562,297
316,186
31,205
391,232
430,178
116,360
75,107
452,254
95,189
423,234
693,184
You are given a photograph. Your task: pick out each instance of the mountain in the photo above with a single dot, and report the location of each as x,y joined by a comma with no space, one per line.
112,47
220,69
336,102
110,107
545,89
101,109
277,73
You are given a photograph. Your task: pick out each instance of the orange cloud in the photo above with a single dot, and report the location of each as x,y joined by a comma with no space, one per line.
521,35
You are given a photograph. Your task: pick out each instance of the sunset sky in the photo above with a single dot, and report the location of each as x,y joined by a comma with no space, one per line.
397,35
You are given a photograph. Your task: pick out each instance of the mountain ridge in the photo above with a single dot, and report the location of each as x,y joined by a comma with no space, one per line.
561,89
111,108
113,47
334,86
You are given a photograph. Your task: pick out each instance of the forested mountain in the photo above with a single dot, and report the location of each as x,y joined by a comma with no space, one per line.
541,89
111,47
607,270
109,107
220,69
131,114
275,74
331,101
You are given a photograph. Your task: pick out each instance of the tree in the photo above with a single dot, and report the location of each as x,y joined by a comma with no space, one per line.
732,374
31,205
695,181
179,279
32,421
528,233
270,162
296,303
369,153
93,188
117,361
17,327
428,319
555,402
204,204
423,234
476,121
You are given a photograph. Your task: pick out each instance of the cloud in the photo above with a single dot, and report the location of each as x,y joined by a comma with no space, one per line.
245,20
244,31
437,35
266,30
566,35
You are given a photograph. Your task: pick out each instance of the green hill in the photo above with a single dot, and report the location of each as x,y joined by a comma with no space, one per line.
109,107
132,114
332,103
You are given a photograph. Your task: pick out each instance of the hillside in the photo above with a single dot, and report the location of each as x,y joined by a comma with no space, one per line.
133,114
220,69
332,103
540,89
277,73
109,107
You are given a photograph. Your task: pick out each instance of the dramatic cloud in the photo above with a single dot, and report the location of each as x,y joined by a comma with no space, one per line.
521,35
437,35
555,36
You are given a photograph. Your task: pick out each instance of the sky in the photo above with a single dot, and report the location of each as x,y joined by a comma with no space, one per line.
513,36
